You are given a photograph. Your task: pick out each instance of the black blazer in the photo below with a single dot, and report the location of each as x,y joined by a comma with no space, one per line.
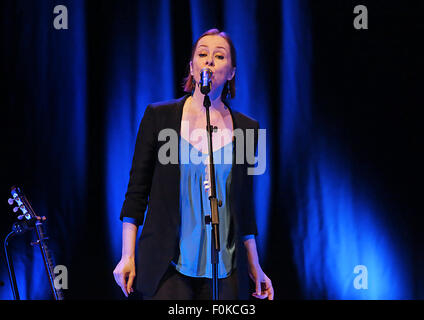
157,187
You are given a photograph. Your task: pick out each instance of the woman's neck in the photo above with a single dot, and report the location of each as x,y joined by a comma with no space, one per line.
216,102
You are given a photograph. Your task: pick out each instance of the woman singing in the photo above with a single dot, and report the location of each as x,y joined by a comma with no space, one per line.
173,254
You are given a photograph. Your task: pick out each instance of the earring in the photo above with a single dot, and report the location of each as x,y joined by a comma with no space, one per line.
228,96
193,84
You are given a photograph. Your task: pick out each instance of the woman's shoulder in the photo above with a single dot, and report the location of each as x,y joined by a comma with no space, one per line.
244,120
167,104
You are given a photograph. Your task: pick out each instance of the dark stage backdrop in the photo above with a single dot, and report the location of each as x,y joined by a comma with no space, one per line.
338,207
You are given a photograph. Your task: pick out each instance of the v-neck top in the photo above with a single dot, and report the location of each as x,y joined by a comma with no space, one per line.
195,235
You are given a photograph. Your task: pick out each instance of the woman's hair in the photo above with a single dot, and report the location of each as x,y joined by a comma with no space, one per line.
188,83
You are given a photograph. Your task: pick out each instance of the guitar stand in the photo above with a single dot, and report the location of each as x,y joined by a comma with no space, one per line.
10,267
19,228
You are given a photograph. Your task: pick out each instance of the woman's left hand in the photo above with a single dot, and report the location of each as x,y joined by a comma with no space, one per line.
263,284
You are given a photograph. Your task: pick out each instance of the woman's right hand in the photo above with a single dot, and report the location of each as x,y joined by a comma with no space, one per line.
124,274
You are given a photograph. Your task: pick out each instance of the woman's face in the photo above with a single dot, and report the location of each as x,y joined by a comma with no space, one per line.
213,52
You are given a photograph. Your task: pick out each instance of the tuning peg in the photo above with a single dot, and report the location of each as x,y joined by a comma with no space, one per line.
10,201
15,209
21,217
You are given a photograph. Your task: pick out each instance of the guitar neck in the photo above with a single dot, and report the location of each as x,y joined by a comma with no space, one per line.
48,260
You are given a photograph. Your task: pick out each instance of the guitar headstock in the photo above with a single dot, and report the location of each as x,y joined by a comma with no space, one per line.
19,198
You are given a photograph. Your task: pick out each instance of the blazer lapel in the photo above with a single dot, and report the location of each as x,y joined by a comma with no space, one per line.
174,173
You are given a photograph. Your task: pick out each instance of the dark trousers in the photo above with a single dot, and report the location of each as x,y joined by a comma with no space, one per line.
176,286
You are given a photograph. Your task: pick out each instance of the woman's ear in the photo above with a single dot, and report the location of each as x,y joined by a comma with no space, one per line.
232,74
191,68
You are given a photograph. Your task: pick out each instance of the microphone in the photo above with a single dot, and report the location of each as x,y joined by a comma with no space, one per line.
205,80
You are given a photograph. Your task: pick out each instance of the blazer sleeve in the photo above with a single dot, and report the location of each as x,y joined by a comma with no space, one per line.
248,226
142,168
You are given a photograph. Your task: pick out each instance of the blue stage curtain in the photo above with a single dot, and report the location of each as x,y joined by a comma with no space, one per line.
73,100
46,126
343,242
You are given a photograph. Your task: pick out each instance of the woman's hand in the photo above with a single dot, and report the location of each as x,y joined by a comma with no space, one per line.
263,284
124,274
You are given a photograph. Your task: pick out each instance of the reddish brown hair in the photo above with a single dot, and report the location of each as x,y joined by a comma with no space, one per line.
188,83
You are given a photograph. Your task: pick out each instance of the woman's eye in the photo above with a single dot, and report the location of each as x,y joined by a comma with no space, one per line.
202,55
220,57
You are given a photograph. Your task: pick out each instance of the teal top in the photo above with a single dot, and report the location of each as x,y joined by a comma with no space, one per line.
195,235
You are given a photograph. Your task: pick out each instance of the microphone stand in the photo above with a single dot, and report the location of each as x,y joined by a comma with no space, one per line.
214,203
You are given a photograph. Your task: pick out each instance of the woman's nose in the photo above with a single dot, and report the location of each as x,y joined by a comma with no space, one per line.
209,62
